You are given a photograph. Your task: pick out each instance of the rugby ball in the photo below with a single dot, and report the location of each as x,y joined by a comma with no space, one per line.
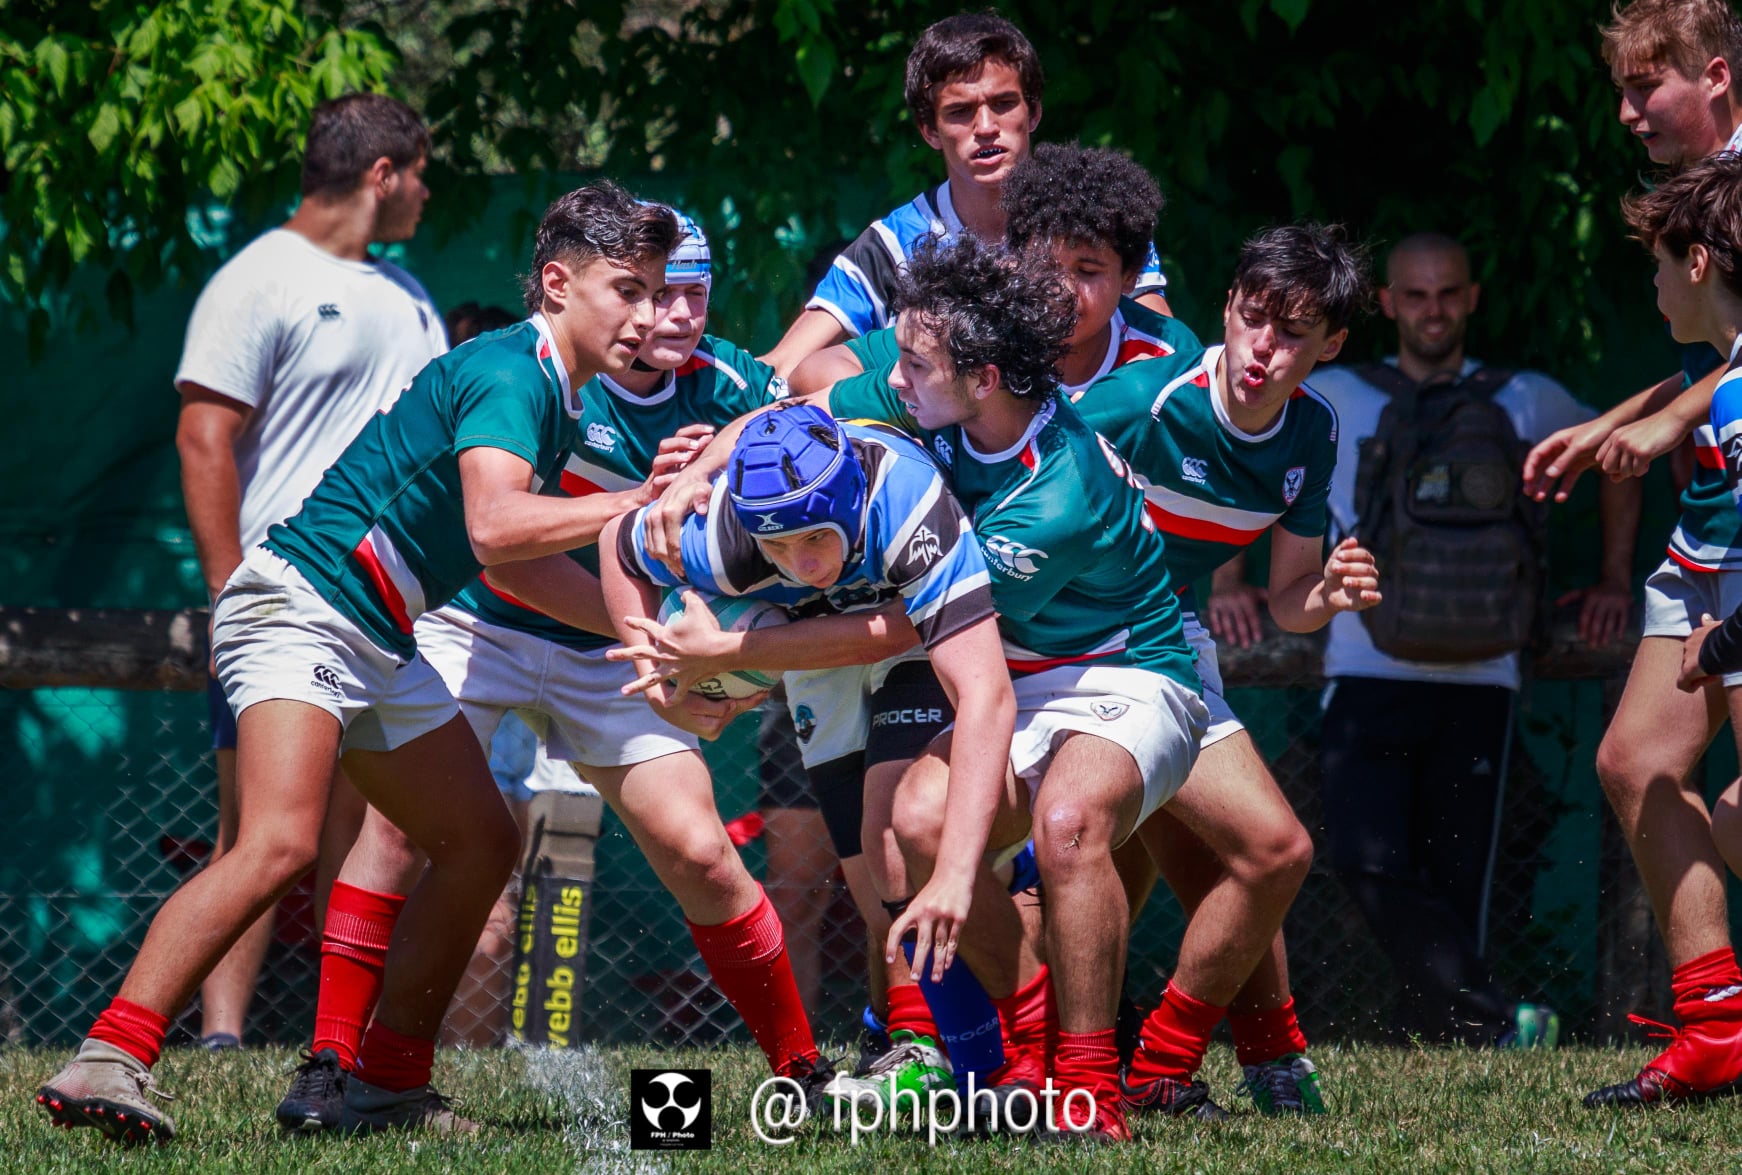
735,614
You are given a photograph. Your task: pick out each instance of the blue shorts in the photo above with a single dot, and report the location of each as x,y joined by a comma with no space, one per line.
223,722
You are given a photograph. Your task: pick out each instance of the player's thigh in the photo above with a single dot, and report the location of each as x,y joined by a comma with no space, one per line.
1231,802
284,769
1658,731
667,805
1188,865
437,788
922,796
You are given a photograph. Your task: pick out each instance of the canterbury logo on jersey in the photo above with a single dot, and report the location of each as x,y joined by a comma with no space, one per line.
944,451
327,680
1016,560
329,310
1195,470
601,436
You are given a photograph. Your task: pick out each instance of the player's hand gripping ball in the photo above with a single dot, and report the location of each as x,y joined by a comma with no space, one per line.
734,614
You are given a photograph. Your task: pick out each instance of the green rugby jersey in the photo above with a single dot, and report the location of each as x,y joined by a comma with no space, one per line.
1211,488
383,536
618,436
1079,574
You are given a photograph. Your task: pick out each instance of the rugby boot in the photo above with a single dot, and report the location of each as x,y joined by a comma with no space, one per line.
368,1108
316,1096
111,1090
1703,1062
1171,1096
913,1062
1287,1085
1108,1125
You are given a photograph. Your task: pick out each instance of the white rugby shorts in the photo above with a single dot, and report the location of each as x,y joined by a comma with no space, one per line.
1158,720
1676,597
274,637
831,708
1223,721
569,697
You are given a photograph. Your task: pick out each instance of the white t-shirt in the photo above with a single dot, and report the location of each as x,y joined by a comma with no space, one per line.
315,345
1537,405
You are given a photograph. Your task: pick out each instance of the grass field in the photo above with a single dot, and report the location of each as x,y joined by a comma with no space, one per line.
1392,1110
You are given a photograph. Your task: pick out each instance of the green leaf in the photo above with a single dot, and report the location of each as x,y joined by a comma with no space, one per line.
52,59
1486,115
816,68
225,178
104,128
1292,12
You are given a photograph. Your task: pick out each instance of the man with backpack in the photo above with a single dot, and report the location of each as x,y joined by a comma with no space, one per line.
1418,716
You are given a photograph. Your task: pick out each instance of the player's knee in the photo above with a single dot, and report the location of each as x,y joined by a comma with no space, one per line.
1727,826
1066,835
703,858
918,818
1622,770
277,858
1276,857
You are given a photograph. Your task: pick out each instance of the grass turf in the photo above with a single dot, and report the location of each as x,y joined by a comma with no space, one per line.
1422,1110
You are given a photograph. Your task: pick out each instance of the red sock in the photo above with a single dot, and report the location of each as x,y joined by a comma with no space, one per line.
1090,1060
1262,1037
133,1028
1024,1021
353,955
1175,1036
394,1061
1695,982
908,1010
747,958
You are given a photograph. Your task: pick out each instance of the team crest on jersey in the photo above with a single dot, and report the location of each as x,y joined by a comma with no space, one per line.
923,547
1195,470
804,723
1292,482
1108,711
1014,559
945,453
778,389
601,437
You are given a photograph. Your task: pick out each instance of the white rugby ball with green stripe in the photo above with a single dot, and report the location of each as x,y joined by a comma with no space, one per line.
735,614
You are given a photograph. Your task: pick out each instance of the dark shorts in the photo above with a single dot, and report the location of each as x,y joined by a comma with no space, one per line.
907,712
218,714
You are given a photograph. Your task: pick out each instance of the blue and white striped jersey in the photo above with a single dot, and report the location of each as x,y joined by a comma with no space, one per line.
915,542
857,287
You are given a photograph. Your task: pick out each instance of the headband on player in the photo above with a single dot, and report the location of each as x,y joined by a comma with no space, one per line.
793,470
691,261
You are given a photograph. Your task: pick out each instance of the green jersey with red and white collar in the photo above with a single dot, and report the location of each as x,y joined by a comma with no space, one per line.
618,436
1079,572
1211,487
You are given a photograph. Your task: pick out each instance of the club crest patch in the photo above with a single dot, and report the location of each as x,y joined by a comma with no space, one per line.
1292,481
1108,711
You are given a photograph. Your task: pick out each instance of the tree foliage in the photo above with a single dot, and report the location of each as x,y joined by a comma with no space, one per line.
780,123
117,119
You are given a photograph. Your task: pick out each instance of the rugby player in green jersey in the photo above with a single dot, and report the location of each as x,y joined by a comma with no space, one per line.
1229,444
1109,712
313,643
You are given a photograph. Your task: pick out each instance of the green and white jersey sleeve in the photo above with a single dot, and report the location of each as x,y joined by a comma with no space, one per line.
618,436
383,537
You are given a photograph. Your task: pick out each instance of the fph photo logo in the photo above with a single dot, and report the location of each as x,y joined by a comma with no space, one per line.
671,1109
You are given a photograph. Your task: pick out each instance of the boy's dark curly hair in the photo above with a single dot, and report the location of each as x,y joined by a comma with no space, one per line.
1700,206
599,220
1306,272
1082,196
990,306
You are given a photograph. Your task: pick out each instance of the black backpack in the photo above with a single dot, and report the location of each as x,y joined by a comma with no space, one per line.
1439,500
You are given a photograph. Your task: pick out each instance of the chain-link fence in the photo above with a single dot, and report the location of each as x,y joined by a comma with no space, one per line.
112,802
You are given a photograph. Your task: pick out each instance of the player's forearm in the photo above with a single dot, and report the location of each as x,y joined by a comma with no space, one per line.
979,765
1618,508
211,487
1642,404
1301,606
517,526
558,587
626,593
827,642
